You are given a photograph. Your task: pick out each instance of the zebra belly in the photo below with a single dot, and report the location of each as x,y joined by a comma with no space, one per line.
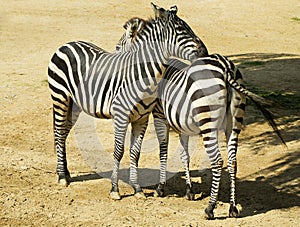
135,107
140,112
180,118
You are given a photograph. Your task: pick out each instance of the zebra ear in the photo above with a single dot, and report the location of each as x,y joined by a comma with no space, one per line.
133,26
173,9
125,25
158,11
138,25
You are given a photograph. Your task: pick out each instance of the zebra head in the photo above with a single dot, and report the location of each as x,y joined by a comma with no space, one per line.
180,39
172,34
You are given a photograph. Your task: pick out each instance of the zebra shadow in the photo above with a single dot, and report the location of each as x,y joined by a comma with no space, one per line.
148,178
257,193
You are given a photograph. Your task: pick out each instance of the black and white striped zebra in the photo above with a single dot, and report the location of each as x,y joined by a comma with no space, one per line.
201,99
122,86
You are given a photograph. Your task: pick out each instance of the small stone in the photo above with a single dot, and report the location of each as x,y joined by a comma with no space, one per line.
71,201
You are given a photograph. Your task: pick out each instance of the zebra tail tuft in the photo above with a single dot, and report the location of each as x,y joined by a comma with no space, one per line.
262,105
262,101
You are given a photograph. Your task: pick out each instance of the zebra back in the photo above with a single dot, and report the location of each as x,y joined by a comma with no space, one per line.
233,78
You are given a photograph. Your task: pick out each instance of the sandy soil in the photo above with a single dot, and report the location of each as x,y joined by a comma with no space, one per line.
262,37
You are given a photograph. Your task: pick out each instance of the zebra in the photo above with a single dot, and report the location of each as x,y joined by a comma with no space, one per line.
121,86
201,99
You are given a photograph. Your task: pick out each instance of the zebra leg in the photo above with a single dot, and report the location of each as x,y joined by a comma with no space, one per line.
137,135
65,115
120,128
234,122
212,149
162,132
232,168
185,158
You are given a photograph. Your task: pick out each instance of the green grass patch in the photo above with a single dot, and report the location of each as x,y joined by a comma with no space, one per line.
44,82
271,94
248,64
290,101
295,19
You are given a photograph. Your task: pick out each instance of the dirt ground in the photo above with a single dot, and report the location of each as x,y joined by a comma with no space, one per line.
260,36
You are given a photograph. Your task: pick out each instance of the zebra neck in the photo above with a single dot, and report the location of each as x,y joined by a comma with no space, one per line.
150,44
148,60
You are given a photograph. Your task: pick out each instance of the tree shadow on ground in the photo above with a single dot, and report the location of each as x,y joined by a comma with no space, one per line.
267,191
275,77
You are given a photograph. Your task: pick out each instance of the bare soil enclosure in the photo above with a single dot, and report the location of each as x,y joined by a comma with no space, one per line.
262,37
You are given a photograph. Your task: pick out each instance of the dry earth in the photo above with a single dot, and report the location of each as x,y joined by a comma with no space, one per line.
260,36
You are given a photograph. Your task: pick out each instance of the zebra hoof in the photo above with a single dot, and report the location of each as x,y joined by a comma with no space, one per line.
209,212
233,212
189,195
160,191
64,180
140,195
156,194
115,195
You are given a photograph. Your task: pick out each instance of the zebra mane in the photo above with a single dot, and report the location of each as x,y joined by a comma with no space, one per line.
136,25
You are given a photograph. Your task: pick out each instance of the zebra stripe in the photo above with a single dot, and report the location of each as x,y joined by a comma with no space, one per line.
122,86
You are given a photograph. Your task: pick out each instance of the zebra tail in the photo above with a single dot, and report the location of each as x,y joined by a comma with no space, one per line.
257,100
261,103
